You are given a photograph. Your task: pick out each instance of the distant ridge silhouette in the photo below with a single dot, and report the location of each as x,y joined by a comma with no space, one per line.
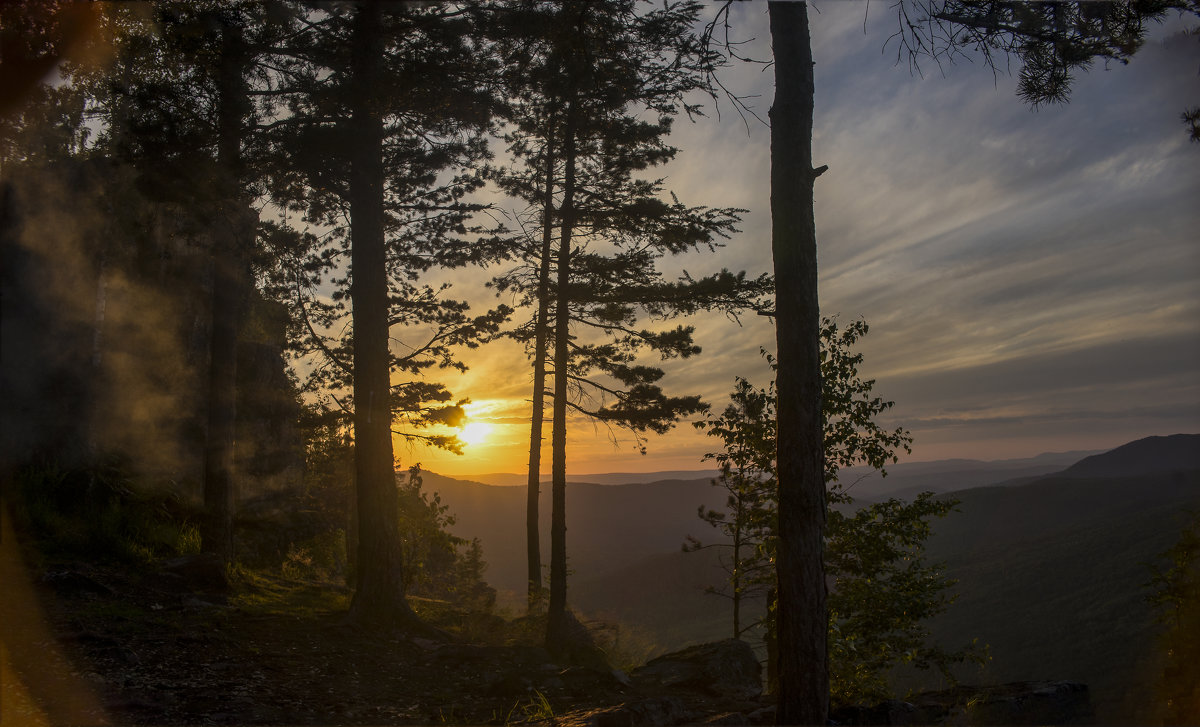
1173,453
509,479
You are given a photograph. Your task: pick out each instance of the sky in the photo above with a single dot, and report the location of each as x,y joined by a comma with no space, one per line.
1031,278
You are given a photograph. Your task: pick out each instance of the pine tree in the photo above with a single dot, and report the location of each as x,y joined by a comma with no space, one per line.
181,103
582,149
386,106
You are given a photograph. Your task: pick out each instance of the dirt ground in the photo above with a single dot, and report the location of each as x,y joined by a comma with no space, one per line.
94,644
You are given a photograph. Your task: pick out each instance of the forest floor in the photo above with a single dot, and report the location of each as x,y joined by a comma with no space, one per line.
90,643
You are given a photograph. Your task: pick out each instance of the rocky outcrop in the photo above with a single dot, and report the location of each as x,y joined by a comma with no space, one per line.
725,669
202,572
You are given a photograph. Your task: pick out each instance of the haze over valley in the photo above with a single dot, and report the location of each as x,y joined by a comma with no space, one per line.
1052,555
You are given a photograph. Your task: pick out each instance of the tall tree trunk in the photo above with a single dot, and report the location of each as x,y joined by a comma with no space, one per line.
802,619
379,592
541,324
229,251
556,622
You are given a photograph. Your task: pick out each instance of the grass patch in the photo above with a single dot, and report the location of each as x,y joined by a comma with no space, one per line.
101,512
261,593
536,708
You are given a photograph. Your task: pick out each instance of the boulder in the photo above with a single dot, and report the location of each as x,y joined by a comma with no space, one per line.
203,572
725,669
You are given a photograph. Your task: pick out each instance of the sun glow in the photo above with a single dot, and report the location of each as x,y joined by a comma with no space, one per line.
475,433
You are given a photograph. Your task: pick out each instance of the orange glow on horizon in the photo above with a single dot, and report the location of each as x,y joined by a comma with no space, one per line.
496,440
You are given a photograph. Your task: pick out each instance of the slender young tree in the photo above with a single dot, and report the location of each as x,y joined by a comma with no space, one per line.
1052,41
882,590
581,149
530,57
747,427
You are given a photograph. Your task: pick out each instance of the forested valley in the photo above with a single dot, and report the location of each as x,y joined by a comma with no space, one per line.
231,233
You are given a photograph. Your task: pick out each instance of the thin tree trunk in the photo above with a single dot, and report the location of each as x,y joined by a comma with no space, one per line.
737,568
802,619
532,527
379,592
229,250
771,642
556,623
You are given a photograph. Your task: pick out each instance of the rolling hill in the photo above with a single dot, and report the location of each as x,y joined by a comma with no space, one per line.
508,479
908,479
609,527
1051,567
1051,575
1152,455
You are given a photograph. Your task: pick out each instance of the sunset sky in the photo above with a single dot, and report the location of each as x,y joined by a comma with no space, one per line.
1031,278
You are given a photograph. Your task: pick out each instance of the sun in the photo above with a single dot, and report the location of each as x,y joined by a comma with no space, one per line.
475,433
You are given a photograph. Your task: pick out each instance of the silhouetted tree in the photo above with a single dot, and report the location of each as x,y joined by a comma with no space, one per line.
181,101
1051,40
882,590
596,65
385,113
801,615
747,427
530,56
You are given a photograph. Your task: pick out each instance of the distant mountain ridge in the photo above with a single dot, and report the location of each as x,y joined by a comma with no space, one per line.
609,527
1051,566
1151,455
508,479
907,479
617,519
937,475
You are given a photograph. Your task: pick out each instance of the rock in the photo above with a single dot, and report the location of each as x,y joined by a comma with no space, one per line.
726,669
765,715
201,572
507,684
659,711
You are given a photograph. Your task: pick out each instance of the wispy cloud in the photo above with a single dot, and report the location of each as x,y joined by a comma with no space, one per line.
1031,279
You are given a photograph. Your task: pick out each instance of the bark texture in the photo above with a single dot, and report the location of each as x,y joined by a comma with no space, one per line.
802,619
557,627
541,326
232,236
379,592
